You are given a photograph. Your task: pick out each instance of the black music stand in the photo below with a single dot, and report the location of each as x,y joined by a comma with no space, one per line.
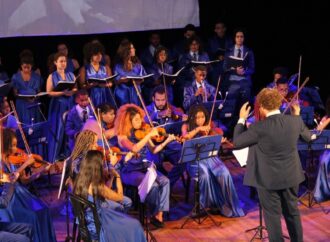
322,142
193,151
172,128
258,230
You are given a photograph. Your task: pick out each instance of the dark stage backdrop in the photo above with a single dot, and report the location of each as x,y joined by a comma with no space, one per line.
277,31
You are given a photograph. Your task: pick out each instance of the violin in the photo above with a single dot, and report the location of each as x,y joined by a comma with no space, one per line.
114,150
146,128
20,157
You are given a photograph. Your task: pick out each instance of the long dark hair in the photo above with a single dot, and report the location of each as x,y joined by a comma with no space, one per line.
192,116
91,173
8,137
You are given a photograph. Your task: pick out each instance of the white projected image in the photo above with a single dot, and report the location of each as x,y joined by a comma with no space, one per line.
57,17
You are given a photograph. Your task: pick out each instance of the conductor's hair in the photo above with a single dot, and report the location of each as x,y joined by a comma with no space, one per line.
269,99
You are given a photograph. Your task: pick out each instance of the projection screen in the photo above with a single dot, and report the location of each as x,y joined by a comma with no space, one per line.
66,17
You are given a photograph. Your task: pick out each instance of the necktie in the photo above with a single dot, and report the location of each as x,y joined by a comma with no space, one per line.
85,116
239,54
195,56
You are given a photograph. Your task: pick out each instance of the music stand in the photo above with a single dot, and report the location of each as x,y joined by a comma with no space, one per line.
193,151
322,142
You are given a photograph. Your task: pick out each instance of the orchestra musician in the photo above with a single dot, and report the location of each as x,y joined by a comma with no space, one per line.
217,190
25,207
134,136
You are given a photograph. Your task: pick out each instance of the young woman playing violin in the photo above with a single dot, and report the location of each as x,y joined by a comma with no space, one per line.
108,115
131,136
87,140
18,161
24,207
217,189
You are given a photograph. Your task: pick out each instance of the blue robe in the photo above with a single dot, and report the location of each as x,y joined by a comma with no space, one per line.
99,95
125,92
33,86
133,173
216,186
156,69
57,107
189,98
115,226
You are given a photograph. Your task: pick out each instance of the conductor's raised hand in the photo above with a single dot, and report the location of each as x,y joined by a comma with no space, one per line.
245,110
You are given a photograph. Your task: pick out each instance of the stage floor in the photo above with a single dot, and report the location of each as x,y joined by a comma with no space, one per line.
316,224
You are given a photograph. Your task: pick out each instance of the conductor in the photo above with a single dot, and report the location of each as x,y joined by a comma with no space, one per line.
273,165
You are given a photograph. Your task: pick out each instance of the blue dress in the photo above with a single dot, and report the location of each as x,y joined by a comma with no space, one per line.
125,92
58,105
69,65
24,207
133,172
33,86
99,95
115,226
322,185
216,186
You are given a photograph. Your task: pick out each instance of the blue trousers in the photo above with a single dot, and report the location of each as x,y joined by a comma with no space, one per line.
15,232
158,197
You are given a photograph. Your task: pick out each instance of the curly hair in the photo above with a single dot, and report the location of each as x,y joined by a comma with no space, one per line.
90,174
192,116
269,99
91,49
125,114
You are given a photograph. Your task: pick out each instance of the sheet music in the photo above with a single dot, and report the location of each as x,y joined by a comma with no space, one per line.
241,155
146,184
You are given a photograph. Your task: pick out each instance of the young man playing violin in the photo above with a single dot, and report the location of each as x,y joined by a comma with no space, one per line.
161,112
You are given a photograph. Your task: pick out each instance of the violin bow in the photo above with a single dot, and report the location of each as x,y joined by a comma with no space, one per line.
142,102
294,98
99,122
299,74
165,88
214,99
26,145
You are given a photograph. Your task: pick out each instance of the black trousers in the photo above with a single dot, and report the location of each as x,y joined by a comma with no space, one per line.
281,202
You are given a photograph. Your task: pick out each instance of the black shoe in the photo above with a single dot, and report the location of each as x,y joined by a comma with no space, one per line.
157,223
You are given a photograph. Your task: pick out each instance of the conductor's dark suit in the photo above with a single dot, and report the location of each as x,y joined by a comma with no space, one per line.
274,168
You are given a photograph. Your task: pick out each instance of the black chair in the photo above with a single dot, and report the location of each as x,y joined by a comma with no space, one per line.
79,206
